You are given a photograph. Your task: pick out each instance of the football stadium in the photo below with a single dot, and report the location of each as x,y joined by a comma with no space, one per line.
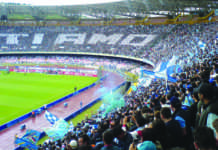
109,75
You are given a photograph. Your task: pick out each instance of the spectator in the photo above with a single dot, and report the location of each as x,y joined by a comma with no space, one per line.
108,138
184,118
72,145
160,131
81,104
215,125
174,133
210,112
84,141
146,145
216,80
204,139
124,139
193,109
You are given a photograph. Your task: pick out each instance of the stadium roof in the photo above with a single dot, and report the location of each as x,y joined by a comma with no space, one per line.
117,9
58,2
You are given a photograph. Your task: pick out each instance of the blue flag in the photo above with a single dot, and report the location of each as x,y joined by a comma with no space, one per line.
22,142
201,44
58,130
29,140
32,135
173,69
50,117
165,69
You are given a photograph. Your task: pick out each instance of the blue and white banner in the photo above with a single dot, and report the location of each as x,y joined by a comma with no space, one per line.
29,140
174,69
165,69
50,117
32,135
22,142
201,44
58,130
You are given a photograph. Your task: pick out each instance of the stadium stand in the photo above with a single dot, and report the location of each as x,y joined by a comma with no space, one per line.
137,41
158,106
162,113
118,40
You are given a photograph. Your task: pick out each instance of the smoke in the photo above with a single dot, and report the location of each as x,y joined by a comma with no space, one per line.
102,91
112,100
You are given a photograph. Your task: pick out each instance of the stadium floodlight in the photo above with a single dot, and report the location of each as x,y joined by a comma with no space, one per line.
58,2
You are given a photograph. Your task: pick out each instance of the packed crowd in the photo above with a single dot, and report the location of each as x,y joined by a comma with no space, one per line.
171,41
70,61
185,41
27,40
163,115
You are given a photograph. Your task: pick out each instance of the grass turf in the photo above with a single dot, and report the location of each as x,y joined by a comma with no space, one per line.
21,93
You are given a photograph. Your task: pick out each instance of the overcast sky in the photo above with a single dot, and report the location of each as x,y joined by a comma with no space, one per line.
59,2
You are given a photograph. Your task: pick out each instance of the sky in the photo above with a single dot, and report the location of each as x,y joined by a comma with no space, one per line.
58,2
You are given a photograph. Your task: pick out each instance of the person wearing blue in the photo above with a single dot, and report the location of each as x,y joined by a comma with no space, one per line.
188,98
184,119
174,138
81,104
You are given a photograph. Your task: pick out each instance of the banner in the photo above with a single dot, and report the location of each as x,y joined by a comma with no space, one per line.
32,135
58,131
50,117
29,140
22,142
165,69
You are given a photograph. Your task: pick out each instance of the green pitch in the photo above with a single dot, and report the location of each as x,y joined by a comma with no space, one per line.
21,93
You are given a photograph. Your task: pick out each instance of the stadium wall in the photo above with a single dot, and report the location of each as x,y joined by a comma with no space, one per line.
149,64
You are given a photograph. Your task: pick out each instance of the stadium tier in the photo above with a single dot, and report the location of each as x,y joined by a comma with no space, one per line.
172,102
114,75
153,43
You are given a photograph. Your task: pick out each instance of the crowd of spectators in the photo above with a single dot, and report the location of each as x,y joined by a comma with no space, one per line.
181,40
185,41
73,61
47,43
163,115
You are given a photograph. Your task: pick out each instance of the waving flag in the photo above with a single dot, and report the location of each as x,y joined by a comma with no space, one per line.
50,117
165,69
58,130
22,142
32,135
174,69
161,67
29,140
201,45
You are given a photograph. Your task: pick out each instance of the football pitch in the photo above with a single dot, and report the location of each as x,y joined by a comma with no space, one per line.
21,93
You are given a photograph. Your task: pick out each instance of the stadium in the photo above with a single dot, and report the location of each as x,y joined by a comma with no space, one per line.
119,74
